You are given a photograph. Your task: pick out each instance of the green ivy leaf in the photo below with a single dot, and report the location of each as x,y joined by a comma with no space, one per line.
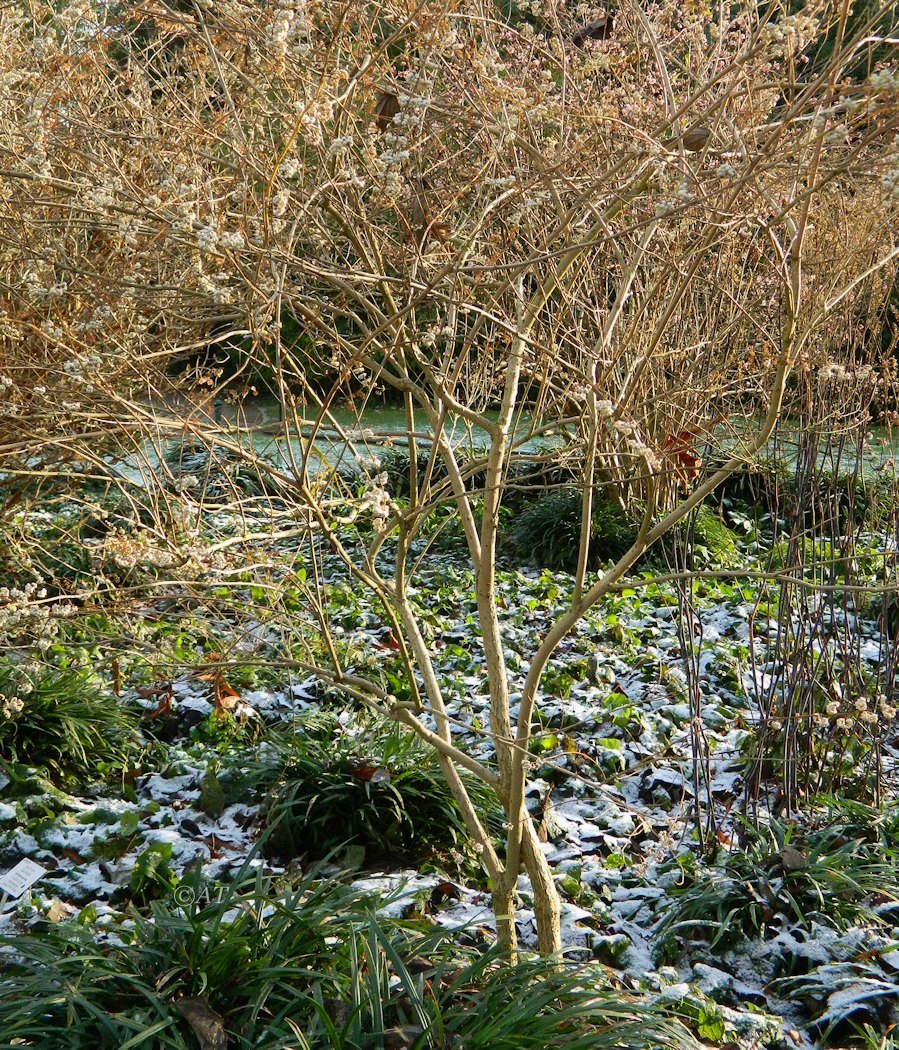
711,1025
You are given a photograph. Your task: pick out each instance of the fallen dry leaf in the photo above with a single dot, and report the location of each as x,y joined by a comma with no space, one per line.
695,139
791,859
208,1026
388,641
402,1036
387,105
164,707
59,911
372,774
599,29
226,698
444,891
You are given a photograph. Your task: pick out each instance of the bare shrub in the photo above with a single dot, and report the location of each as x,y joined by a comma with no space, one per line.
648,243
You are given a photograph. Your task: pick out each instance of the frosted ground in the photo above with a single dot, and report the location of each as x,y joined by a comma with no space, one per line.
611,775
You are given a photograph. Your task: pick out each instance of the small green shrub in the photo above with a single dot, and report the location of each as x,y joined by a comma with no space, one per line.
711,533
365,783
214,472
397,465
854,499
760,485
547,532
152,875
62,720
816,877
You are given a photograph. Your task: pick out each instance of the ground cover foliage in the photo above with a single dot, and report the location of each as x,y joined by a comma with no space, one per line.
185,833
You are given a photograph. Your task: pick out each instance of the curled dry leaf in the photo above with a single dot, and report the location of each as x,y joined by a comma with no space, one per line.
422,219
208,1026
791,859
388,641
371,774
599,29
695,139
59,911
226,698
444,891
164,707
387,105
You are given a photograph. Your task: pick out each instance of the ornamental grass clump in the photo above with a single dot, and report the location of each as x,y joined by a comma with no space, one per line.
781,878
367,789
547,532
311,967
64,721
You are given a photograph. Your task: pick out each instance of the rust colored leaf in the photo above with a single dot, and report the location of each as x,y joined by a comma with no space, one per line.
387,105
444,891
371,774
695,139
164,707
422,220
226,698
146,691
389,641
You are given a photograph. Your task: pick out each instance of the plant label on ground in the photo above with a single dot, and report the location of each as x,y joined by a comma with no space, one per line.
20,878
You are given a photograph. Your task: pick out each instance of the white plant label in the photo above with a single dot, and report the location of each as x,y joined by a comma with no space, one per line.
18,879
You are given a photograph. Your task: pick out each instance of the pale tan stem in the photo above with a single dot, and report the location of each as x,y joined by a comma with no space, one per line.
547,909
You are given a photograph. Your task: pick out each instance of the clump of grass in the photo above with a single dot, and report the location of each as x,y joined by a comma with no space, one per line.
770,485
61,562
63,721
781,876
718,542
368,783
876,826
310,966
547,532
759,486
